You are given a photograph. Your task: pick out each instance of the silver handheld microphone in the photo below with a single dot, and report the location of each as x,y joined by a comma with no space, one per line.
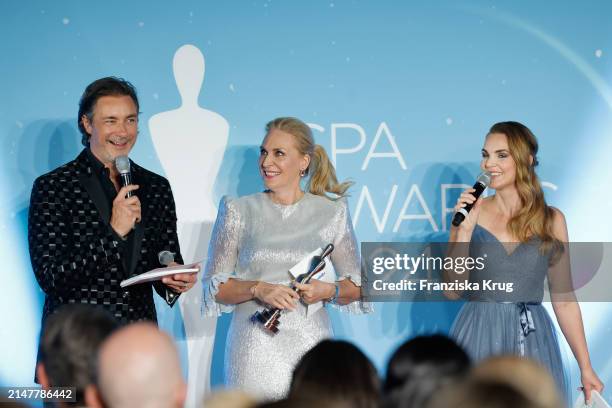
122,163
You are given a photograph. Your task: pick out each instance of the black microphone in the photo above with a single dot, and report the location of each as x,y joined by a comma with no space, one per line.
122,163
482,183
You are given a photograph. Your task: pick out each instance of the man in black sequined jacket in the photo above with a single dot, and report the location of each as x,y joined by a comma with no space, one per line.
86,235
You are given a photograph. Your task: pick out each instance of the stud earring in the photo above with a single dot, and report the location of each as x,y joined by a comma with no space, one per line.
302,172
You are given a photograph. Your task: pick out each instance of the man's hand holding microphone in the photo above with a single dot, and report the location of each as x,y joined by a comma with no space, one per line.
127,212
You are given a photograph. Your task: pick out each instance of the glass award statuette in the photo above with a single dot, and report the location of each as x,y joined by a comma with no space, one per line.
269,318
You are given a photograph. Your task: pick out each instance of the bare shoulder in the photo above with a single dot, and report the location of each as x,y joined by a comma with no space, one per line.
558,216
559,225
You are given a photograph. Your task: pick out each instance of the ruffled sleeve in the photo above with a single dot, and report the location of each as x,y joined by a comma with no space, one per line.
346,257
222,256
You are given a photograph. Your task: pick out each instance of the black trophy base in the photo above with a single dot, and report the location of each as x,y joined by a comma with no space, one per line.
268,318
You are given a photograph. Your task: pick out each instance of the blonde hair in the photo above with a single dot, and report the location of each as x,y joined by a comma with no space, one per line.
526,376
323,178
535,217
229,398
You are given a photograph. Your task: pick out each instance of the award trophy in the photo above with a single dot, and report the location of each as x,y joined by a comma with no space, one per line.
269,318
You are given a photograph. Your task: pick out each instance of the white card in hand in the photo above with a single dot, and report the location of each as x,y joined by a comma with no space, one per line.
159,273
597,401
328,274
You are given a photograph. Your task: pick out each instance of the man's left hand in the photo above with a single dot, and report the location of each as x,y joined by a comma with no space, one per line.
180,282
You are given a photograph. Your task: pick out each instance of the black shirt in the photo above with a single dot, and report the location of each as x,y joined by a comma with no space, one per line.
102,176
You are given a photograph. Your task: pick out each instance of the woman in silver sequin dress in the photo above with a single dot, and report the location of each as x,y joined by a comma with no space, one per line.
258,238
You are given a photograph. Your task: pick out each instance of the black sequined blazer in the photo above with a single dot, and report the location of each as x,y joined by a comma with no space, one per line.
77,257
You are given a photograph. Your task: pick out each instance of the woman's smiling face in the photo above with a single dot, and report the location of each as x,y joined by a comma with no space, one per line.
280,162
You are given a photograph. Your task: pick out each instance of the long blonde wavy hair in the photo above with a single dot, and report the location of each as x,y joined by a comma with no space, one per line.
322,173
535,217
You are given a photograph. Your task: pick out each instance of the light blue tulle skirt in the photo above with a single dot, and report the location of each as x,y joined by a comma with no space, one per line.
487,329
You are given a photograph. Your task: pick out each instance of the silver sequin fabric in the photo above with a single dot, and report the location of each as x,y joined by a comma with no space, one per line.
257,239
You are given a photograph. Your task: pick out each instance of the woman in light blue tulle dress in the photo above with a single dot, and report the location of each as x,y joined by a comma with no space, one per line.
258,238
523,239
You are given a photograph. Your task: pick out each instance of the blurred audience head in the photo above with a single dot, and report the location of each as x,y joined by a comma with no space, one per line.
336,370
69,345
229,398
475,393
310,402
526,376
138,366
420,367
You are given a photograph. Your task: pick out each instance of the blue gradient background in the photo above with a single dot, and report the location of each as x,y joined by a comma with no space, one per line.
437,74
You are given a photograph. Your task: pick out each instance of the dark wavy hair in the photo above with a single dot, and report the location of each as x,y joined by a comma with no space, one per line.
70,342
420,367
336,370
109,86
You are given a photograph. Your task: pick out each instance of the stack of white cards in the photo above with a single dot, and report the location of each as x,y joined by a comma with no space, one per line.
157,274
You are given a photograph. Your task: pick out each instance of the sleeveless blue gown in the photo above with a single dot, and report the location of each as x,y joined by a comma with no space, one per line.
510,323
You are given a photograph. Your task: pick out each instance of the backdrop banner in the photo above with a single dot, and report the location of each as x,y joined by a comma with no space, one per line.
400,94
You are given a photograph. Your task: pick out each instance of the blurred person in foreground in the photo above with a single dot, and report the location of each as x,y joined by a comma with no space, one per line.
421,367
481,394
502,381
336,370
229,399
69,345
306,403
138,366
524,375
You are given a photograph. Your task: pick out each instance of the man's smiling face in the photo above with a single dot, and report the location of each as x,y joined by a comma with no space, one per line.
113,127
